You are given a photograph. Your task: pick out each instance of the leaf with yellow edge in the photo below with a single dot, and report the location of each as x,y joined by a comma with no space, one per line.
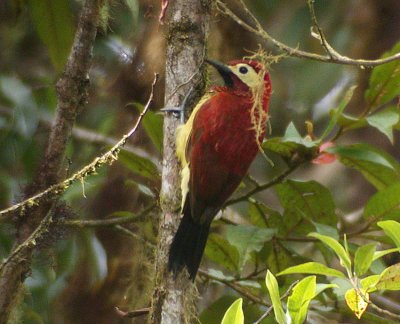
234,314
358,304
390,278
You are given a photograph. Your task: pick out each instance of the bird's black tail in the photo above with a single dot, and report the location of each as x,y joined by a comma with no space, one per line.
188,246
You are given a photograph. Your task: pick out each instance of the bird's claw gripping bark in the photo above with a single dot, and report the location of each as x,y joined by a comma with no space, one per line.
180,110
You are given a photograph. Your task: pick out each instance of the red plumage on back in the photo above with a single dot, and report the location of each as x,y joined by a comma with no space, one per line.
225,133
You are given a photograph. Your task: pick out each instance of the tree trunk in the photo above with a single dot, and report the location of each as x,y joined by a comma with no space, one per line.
187,24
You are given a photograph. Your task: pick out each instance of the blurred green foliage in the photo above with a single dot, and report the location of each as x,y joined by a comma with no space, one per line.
358,194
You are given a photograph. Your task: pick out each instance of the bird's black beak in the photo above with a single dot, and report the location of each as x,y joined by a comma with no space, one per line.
223,70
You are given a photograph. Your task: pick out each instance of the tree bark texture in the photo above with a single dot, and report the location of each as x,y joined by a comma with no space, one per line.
187,24
72,93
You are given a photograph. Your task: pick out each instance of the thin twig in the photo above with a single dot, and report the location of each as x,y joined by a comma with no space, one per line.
295,52
135,236
90,136
269,310
265,186
240,289
31,241
107,158
132,314
107,222
320,34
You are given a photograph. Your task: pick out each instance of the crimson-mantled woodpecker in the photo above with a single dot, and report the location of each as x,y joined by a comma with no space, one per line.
216,147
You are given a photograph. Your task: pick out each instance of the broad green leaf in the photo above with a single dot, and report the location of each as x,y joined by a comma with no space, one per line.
369,283
305,202
273,290
220,251
139,165
358,304
326,230
384,81
234,314
351,122
312,268
263,216
278,257
282,148
375,165
385,121
153,125
322,287
53,22
248,239
391,229
300,298
336,247
380,254
292,135
292,144
385,204
390,278
337,113
214,313
363,258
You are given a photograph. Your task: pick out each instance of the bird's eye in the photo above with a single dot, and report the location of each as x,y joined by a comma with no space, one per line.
243,70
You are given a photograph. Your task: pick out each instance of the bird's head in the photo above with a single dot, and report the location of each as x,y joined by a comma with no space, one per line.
243,75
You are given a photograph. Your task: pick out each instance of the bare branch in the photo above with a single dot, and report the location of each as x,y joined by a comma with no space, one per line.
107,222
72,94
333,57
133,314
240,289
262,187
107,158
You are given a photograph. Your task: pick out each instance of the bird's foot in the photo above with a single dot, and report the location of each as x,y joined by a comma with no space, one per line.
179,111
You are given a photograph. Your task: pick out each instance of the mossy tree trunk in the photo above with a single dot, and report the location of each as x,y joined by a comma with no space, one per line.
186,32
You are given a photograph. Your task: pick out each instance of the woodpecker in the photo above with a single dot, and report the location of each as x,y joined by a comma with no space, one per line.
216,147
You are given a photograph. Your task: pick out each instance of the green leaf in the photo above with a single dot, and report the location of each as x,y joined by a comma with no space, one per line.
384,204
214,313
234,314
337,112
292,135
375,165
351,122
220,251
312,268
390,278
369,283
300,298
291,144
379,254
153,125
391,229
305,201
263,216
385,121
356,302
139,165
273,290
284,149
336,247
248,239
384,81
327,230
323,287
53,22
363,258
